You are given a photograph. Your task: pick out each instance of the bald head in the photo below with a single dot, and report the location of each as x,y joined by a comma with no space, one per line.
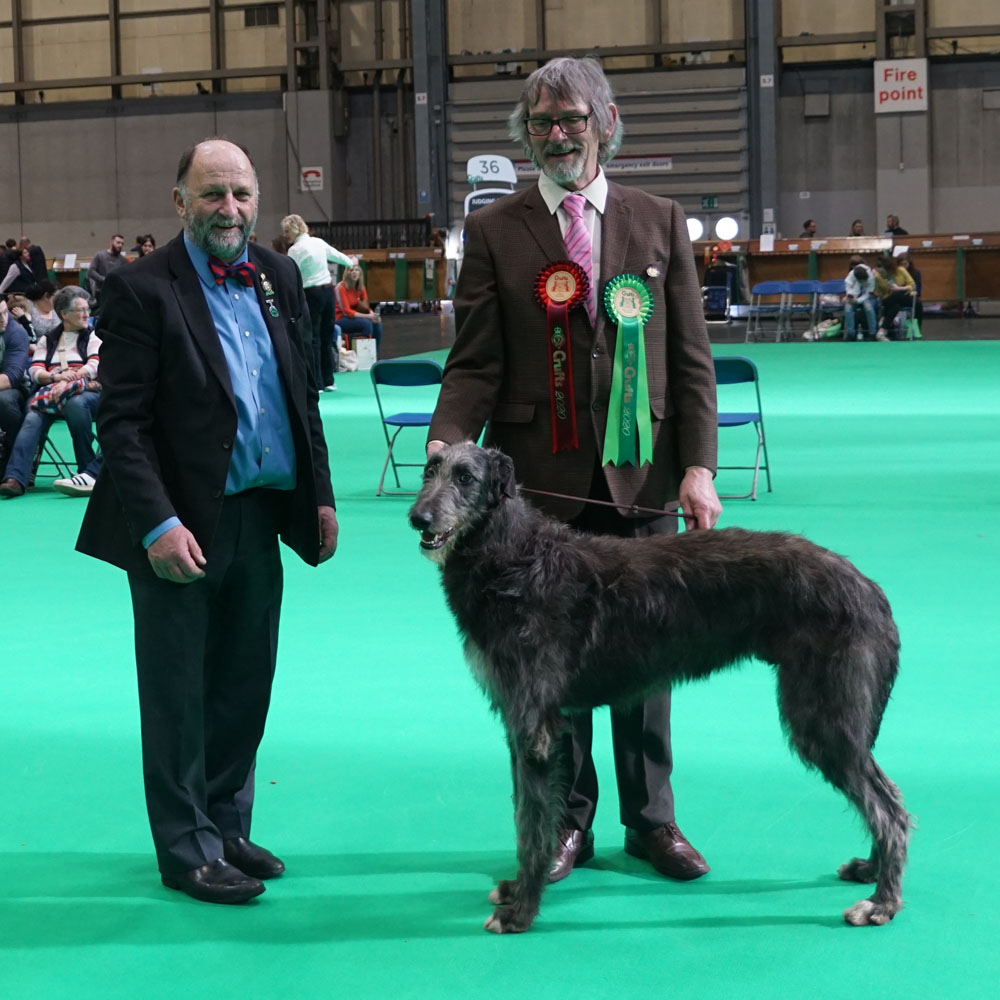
216,196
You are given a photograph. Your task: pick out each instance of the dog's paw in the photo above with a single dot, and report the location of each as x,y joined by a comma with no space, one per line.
867,911
503,894
858,870
507,920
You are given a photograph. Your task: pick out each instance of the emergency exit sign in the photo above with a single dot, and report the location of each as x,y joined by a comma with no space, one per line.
709,201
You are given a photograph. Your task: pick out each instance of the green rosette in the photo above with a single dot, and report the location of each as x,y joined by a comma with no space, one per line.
628,439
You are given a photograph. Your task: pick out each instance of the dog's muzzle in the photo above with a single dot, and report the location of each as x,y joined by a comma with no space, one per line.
430,541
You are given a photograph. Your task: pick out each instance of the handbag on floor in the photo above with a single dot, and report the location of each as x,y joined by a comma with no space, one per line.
365,348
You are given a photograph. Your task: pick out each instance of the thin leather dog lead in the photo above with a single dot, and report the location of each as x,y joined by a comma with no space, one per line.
606,503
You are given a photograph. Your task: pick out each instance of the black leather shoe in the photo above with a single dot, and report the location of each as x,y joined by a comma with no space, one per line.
251,859
668,851
216,882
575,847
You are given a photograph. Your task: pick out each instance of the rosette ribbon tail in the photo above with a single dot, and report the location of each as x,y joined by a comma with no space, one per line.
628,438
559,288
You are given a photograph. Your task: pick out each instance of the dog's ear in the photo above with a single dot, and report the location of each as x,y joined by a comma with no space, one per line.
502,482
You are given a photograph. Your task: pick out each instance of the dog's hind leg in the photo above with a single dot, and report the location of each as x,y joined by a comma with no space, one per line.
832,716
536,815
880,802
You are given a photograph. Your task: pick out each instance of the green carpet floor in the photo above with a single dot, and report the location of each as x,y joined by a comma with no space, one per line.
383,780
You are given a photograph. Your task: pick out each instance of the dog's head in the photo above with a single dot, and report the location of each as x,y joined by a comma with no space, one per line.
462,484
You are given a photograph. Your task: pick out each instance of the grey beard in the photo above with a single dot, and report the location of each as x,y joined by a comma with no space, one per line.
204,236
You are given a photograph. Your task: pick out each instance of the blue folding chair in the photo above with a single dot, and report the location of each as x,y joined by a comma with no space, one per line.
763,305
802,299
402,373
733,370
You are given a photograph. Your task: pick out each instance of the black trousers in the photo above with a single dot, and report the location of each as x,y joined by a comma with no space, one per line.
320,302
205,654
640,736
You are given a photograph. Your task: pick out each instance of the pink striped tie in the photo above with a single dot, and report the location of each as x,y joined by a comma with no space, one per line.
578,245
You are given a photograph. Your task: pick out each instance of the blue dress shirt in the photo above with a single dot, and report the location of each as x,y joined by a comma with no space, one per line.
263,453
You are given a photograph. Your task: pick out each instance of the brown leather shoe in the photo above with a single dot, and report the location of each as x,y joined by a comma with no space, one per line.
11,488
575,847
668,851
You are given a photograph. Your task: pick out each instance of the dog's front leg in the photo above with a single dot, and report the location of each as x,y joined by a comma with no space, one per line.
536,805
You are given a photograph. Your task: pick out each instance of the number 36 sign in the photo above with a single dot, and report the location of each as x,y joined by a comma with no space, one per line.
485,171
489,168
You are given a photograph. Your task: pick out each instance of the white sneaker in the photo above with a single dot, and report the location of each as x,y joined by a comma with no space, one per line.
881,335
80,485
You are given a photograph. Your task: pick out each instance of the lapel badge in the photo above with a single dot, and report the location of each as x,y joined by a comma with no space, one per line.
653,271
266,285
273,310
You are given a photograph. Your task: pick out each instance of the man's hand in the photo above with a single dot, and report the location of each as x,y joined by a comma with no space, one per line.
328,532
176,556
699,499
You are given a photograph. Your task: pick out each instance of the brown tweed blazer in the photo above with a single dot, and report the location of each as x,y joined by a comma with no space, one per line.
497,371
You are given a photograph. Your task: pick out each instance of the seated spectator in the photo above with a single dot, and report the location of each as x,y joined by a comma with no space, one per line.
896,287
893,228
63,371
918,281
808,229
82,484
8,255
859,286
857,228
14,351
314,257
20,308
19,276
355,315
44,318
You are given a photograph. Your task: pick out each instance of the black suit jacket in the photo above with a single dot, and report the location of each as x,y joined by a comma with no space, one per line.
167,418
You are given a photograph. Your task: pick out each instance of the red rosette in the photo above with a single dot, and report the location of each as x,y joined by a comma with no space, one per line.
563,283
558,288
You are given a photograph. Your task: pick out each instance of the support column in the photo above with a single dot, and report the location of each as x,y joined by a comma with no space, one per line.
430,91
762,26
115,42
17,41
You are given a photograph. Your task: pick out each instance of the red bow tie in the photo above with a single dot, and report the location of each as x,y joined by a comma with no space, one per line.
241,272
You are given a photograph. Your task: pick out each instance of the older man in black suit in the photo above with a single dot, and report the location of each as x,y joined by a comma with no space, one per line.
563,395
213,448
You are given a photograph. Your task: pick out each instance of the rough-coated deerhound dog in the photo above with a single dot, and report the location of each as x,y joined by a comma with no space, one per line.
555,620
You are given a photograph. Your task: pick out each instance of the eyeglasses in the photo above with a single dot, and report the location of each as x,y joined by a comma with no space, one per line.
568,125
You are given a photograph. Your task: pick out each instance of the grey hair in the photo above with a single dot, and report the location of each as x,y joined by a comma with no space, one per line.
62,301
570,80
294,226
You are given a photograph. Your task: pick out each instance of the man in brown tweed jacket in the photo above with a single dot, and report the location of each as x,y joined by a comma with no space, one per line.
499,375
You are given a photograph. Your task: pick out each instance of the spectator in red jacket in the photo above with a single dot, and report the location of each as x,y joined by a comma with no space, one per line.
355,315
